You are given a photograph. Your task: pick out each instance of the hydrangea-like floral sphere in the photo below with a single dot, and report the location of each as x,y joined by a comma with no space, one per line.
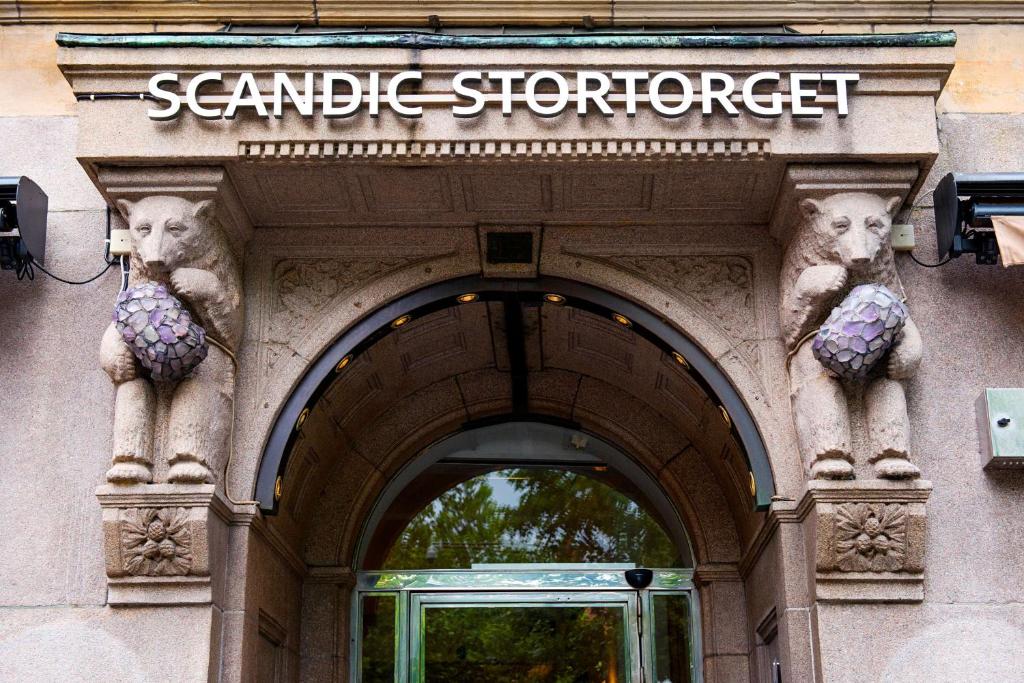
859,331
160,332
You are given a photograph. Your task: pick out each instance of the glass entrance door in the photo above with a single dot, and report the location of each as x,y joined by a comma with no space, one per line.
524,637
524,626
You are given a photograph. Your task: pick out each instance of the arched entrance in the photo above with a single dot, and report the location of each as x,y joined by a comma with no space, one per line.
442,371
524,551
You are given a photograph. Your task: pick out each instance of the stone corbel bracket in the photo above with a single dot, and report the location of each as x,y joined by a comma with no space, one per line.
819,181
868,539
163,543
194,183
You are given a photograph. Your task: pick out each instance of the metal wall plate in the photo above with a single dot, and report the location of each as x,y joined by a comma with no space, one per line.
1001,428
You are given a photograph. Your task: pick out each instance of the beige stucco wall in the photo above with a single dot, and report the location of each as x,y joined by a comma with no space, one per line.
57,405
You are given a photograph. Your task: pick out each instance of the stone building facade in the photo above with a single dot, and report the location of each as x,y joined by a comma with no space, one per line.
214,528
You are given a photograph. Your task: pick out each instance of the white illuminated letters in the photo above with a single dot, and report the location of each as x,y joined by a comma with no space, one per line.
192,95
687,93
396,101
169,96
464,91
246,94
595,95
283,86
331,108
749,98
709,93
561,99
798,92
669,94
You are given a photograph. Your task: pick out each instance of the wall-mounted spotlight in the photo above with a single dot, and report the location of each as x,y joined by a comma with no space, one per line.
22,224
964,206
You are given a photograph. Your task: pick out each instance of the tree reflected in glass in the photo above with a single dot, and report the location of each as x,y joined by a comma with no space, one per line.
527,515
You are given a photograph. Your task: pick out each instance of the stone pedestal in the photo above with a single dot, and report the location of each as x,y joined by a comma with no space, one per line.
161,541
867,538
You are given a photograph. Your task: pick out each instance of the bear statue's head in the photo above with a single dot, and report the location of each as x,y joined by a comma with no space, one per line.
168,232
852,227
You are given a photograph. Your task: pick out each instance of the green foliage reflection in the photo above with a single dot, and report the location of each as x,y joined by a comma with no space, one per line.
531,516
536,644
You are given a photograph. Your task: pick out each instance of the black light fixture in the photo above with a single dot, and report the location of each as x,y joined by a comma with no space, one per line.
964,206
22,224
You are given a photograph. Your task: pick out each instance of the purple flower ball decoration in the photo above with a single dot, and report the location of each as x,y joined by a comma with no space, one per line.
859,331
159,331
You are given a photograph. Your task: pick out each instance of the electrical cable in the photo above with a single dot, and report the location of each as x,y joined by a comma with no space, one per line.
231,434
124,274
29,266
929,265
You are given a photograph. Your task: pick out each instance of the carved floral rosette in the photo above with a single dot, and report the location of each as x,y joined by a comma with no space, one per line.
869,539
156,542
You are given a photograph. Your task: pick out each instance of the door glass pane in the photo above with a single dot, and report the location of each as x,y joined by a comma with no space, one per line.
523,515
672,639
533,644
378,647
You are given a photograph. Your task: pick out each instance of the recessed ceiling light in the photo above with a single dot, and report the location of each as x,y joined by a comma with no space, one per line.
302,418
622,320
343,363
467,298
679,358
400,320
556,299
725,416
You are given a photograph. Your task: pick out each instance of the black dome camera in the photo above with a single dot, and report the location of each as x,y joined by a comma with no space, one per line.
639,578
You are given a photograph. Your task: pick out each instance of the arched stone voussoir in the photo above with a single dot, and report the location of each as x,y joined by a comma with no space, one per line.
266,385
353,484
776,433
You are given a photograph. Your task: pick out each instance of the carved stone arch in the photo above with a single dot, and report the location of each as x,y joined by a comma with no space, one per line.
393,272
350,487
655,327
764,395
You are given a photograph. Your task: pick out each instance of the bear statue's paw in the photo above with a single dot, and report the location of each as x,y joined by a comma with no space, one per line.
831,468
129,473
896,468
189,471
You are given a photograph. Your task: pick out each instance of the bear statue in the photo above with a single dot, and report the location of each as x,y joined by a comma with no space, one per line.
843,241
177,242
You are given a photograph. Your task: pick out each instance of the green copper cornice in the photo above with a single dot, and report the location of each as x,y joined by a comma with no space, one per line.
418,40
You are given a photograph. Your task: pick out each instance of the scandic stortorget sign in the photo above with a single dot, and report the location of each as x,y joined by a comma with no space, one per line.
336,94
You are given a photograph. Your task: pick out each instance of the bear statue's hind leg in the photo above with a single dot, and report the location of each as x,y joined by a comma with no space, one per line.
134,407
821,416
201,421
889,430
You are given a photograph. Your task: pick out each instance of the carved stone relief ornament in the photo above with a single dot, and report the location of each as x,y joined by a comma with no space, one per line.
871,537
159,539
156,542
